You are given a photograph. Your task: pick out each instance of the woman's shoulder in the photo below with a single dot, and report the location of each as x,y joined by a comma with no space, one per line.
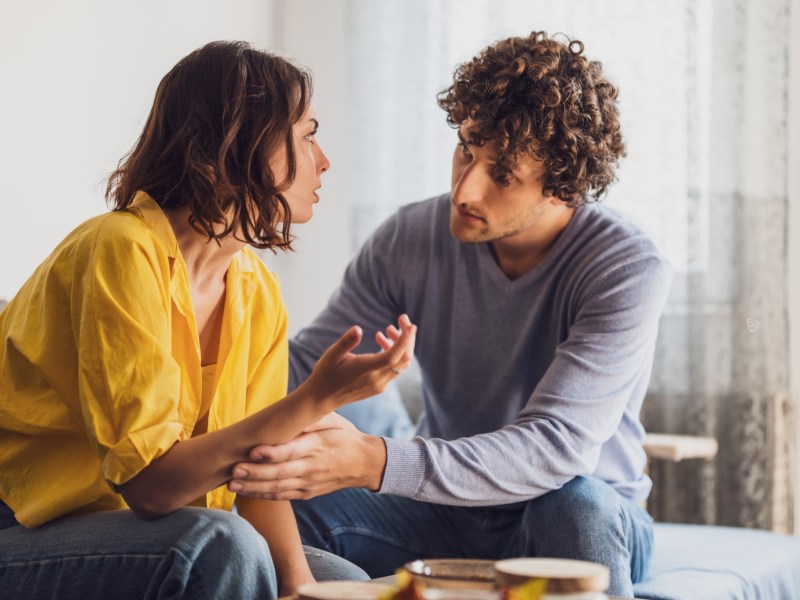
125,228
114,234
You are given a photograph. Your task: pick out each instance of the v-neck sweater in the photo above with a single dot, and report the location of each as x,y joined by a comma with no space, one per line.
526,383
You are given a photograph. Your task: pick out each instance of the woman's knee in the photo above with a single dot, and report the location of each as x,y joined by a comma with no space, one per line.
226,534
222,552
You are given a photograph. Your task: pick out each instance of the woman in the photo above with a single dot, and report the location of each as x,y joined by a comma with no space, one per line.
148,354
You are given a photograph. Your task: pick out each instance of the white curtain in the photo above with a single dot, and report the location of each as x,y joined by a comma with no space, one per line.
704,108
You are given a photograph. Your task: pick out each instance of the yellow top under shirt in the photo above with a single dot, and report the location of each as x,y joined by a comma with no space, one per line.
100,363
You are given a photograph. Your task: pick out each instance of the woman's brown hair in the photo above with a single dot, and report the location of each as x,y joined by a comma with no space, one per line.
541,98
217,118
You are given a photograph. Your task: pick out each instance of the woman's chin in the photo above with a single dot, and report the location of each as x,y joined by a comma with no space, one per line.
304,217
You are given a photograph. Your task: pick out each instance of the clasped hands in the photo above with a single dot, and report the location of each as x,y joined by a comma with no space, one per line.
331,454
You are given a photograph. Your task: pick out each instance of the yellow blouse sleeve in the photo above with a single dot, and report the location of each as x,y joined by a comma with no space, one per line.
129,382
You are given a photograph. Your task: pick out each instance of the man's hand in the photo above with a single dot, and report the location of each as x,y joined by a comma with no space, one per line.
328,456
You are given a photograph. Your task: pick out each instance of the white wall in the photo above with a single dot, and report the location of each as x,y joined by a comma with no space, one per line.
77,81
312,33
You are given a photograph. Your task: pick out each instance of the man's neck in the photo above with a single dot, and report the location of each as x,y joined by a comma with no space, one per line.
519,253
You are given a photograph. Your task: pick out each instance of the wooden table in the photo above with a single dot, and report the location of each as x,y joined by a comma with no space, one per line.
609,598
392,577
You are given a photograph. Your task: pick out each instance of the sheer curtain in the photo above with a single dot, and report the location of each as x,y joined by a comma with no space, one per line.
704,107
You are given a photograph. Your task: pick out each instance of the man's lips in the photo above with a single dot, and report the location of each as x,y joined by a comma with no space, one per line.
469,215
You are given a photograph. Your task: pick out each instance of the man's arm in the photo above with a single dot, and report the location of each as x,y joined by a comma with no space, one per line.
575,408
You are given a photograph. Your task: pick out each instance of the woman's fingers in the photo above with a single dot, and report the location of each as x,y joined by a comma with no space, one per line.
387,340
383,341
397,346
402,351
349,340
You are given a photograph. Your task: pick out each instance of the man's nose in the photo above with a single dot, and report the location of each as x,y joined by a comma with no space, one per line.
470,187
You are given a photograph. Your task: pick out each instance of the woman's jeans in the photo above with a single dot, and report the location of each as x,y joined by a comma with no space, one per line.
586,519
193,553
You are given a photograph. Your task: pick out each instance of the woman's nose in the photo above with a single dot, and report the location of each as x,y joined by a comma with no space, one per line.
323,164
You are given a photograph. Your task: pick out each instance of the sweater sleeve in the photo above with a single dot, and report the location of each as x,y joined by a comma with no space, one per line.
575,408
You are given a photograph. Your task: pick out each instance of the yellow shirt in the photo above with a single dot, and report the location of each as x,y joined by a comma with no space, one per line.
100,363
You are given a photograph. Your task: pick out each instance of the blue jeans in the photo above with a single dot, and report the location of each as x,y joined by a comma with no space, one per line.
586,519
193,553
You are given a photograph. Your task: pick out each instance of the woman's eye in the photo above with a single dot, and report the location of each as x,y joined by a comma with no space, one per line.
311,136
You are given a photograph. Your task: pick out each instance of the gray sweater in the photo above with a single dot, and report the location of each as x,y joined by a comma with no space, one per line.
526,383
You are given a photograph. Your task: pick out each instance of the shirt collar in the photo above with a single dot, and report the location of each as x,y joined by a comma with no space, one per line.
150,212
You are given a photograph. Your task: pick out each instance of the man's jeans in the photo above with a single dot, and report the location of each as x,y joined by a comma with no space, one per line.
193,553
586,519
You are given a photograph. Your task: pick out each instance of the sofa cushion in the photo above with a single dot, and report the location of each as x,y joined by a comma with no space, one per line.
721,563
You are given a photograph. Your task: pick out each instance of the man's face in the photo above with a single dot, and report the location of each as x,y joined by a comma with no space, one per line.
483,209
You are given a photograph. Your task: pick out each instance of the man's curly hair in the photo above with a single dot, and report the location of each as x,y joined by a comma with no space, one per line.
541,98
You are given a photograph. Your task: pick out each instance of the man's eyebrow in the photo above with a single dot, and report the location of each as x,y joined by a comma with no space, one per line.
461,137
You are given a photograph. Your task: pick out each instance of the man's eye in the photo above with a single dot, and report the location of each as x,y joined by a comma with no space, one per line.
464,149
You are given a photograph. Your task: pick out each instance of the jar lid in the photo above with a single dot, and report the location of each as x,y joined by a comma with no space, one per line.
562,575
343,590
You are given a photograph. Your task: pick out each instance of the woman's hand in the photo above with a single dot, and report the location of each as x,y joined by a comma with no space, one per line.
341,377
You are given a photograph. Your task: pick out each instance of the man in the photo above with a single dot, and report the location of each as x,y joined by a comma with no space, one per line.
537,314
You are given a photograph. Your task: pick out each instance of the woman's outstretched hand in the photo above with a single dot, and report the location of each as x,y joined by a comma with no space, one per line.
341,377
330,454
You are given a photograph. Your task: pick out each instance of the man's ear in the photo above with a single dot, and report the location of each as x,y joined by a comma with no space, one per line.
555,201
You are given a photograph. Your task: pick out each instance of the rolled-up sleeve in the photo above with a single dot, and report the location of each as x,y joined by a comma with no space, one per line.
130,384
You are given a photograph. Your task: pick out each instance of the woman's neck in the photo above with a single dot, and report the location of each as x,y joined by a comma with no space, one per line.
206,260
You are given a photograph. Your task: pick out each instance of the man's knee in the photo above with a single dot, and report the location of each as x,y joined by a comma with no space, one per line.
585,503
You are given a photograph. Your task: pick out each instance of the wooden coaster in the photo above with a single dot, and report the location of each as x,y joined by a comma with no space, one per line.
343,590
562,575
